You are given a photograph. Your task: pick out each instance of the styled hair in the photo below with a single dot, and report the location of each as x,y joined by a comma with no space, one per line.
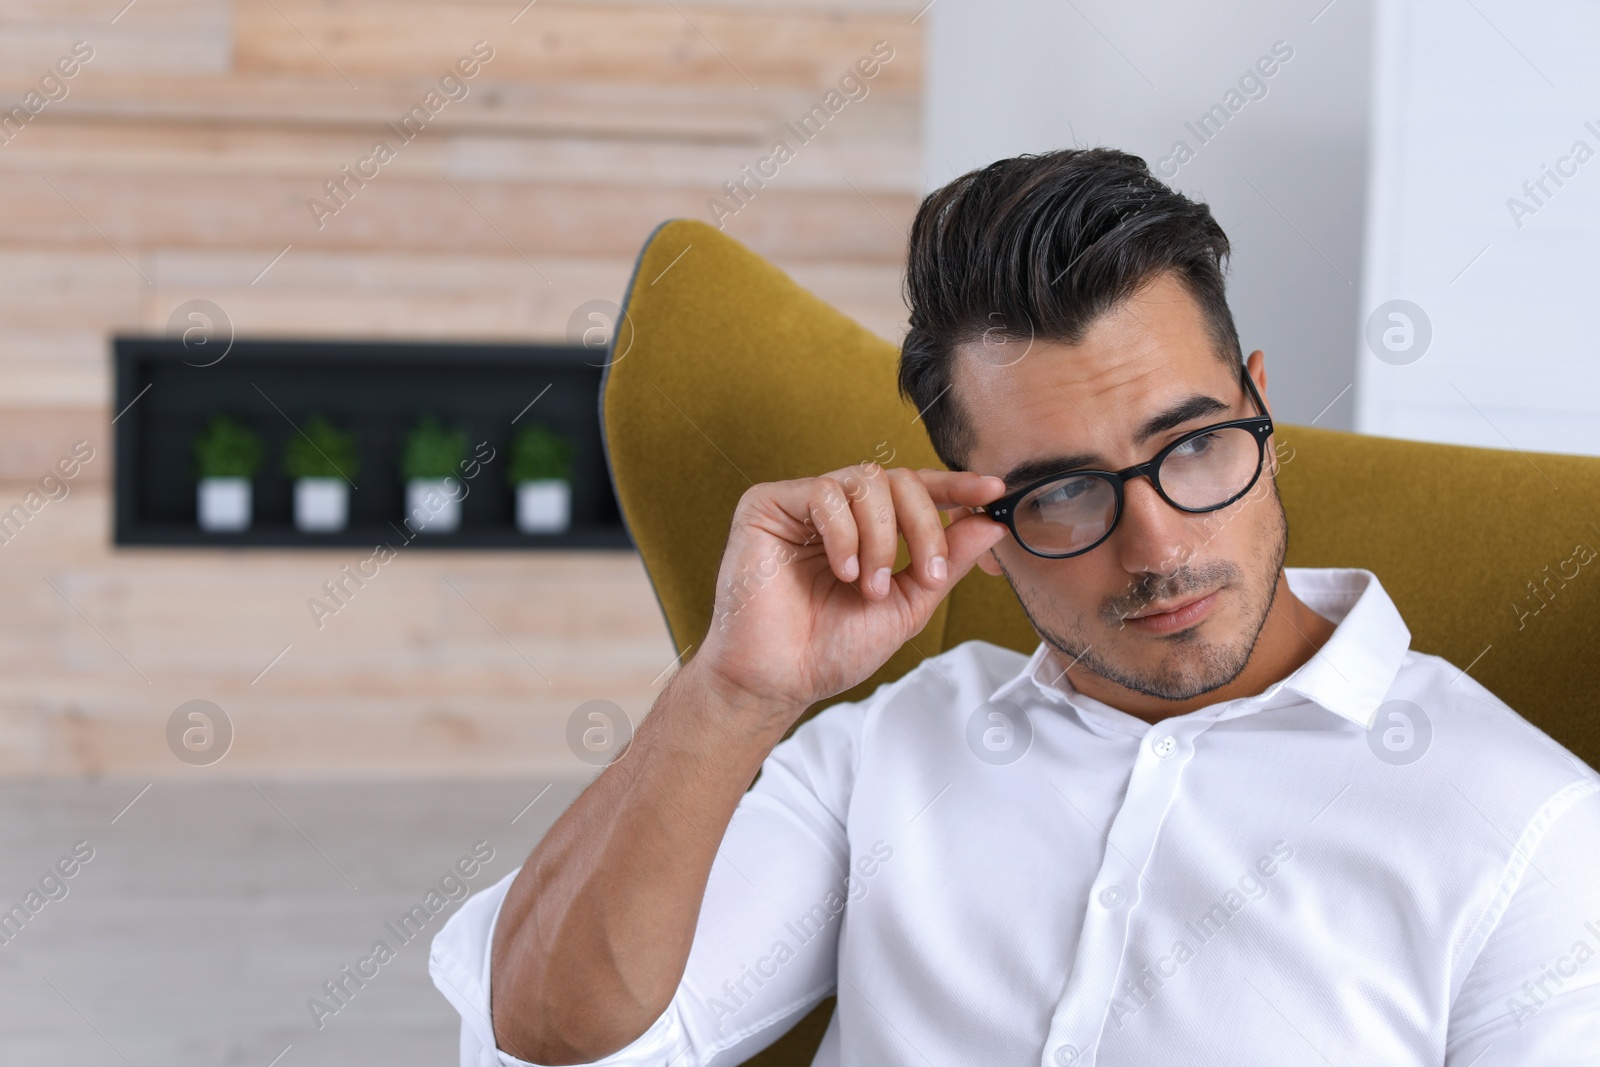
1039,247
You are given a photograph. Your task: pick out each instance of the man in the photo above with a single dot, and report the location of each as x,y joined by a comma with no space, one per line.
1222,815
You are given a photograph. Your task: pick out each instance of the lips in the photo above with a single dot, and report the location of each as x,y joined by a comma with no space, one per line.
1177,615
1167,609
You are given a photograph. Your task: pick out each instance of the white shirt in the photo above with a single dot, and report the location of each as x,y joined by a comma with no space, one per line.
1374,861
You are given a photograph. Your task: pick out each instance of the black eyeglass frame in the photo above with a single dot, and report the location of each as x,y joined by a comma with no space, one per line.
1004,509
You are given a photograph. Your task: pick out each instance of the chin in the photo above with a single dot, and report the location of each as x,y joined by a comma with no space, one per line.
1199,669
1178,666
1175,684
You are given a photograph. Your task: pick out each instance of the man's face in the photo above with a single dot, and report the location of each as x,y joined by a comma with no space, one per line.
1171,604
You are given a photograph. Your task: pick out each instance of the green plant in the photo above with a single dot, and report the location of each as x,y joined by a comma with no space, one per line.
539,453
226,449
432,450
321,450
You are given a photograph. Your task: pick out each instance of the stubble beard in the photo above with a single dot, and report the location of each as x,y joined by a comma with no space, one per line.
1193,665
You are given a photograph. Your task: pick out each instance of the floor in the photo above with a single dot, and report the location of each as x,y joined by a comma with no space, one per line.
209,915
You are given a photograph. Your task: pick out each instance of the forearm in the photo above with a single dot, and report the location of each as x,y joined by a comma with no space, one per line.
595,932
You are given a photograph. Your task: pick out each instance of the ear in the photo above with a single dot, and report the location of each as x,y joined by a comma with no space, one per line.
1256,365
989,563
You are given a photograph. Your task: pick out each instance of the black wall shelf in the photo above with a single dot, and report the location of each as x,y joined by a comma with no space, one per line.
165,393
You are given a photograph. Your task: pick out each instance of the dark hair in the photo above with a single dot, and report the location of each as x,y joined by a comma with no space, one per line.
1040,246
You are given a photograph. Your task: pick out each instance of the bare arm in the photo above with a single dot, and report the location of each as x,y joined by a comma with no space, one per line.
595,931
594,935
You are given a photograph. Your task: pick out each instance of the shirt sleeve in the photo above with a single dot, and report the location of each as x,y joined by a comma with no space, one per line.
765,947
1532,997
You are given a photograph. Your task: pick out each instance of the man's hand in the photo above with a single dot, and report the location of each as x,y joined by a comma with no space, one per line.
806,603
594,935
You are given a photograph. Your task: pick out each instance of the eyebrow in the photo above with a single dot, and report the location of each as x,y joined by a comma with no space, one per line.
1186,410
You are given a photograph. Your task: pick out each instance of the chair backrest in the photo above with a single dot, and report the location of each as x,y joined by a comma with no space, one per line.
726,373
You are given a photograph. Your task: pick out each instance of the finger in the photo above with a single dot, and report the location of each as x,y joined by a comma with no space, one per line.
803,510
967,538
955,489
919,524
829,511
872,504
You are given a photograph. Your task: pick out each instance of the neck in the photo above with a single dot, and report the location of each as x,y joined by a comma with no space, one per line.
1291,635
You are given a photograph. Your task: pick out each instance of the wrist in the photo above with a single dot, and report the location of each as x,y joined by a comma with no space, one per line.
733,705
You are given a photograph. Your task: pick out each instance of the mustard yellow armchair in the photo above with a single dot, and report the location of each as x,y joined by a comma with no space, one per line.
725,373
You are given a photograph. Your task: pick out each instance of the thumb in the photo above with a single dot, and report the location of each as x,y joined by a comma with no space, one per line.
967,539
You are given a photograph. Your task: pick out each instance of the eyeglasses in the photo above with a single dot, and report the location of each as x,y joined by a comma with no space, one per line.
1069,513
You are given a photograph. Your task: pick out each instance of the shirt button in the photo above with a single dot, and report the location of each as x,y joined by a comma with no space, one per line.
1112,896
1066,1056
1165,747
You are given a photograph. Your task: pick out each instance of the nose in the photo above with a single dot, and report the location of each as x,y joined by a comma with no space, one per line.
1153,537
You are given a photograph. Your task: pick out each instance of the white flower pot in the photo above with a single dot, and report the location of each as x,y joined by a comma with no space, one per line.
223,504
433,505
544,506
321,505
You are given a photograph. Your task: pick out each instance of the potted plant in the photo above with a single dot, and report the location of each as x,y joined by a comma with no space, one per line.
429,460
540,467
322,461
226,456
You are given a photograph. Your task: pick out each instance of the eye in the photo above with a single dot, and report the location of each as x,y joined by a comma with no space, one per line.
1062,493
1195,446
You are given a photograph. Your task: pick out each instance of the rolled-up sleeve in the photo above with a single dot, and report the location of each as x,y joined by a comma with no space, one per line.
765,947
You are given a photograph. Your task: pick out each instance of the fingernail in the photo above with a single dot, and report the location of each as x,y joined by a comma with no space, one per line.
852,567
937,568
880,581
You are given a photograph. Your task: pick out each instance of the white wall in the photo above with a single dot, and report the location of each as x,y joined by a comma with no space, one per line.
1472,104
1285,176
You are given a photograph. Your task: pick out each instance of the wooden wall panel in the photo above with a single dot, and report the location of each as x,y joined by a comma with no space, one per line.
647,42
37,437
445,663
186,37
128,213
179,166
215,142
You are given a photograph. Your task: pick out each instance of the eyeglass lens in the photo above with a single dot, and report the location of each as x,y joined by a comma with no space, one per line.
1073,513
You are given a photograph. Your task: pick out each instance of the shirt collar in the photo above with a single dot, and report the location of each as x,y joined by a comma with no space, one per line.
1349,675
